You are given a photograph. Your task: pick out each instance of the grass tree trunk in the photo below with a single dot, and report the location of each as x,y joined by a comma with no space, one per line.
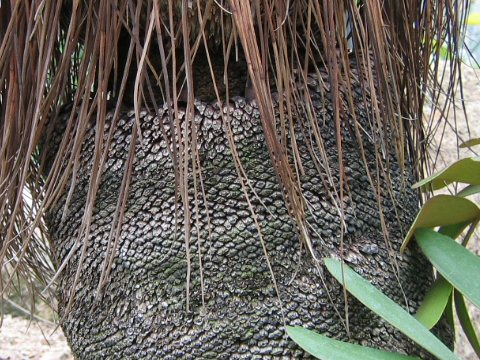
176,171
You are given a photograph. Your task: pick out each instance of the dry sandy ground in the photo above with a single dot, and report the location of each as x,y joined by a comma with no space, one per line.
20,340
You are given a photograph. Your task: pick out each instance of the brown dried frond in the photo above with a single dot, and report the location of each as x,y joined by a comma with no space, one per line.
97,55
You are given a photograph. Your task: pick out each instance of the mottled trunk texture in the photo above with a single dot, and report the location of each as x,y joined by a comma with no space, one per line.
143,313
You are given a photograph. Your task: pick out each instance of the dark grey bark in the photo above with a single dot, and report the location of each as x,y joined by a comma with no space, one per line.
142,313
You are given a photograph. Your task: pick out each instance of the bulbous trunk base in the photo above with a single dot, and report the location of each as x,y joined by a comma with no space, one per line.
235,311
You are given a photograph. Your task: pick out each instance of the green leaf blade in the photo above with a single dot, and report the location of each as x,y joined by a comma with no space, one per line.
464,171
456,264
393,313
454,230
469,190
443,210
475,141
466,322
325,348
434,303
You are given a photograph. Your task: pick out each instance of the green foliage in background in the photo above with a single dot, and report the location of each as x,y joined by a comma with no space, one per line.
473,19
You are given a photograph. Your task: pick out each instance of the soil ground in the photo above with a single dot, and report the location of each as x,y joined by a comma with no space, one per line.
22,340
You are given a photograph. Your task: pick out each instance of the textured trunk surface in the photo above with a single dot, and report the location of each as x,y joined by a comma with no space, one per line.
143,311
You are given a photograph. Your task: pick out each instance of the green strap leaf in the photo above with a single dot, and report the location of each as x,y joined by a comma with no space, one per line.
469,190
456,264
454,230
449,315
325,348
434,303
466,322
393,313
464,171
474,141
442,210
